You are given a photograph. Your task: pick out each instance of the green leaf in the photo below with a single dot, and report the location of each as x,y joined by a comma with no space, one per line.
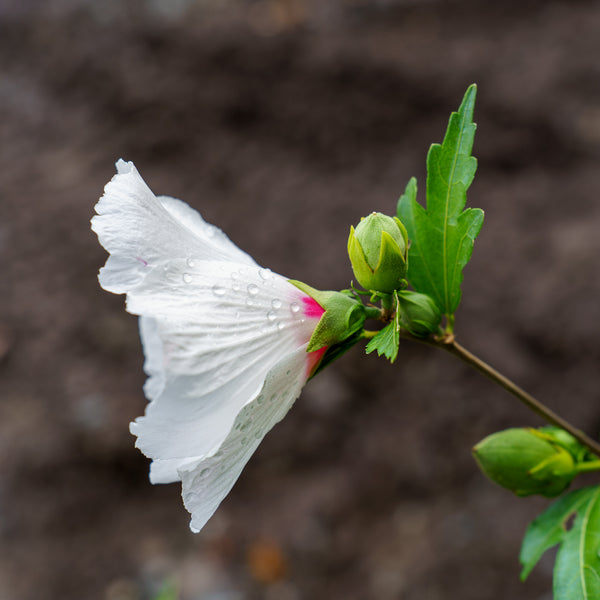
387,341
442,235
577,567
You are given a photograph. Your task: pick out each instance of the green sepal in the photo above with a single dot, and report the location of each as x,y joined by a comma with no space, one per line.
564,439
387,341
344,315
391,267
577,566
360,266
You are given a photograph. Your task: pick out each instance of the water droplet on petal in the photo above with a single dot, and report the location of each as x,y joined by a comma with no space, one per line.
235,287
204,472
276,303
257,435
235,275
190,263
260,400
218,290
295,307
253,289
280,326
273,398
187,278
249,302
265,273
271,315
244,441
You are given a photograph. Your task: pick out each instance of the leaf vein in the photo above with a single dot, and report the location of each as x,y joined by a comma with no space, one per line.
584,522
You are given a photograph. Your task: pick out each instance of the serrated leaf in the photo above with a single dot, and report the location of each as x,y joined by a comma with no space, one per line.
442,235
549,529
577,567
387,341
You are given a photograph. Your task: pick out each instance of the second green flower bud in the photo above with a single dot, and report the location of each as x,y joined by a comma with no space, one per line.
378,250
419,314
526,462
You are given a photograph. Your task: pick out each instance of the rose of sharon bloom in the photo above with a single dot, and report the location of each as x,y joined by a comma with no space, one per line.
225,340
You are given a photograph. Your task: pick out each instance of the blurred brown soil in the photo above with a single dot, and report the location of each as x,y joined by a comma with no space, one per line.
283,123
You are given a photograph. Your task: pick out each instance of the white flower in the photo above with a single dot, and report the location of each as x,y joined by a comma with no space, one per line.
225,340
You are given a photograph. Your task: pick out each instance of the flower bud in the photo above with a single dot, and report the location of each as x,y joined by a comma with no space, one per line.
525,462
419,314
378,252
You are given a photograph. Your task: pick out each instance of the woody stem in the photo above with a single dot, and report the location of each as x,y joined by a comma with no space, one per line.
449,344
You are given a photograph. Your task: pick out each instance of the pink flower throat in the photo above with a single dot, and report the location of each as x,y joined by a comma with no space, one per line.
312,308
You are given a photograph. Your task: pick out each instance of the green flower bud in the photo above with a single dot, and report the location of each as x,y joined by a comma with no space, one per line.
419,314
525,462
343,316
378,252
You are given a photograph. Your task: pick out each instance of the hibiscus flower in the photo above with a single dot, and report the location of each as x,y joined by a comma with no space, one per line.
228,345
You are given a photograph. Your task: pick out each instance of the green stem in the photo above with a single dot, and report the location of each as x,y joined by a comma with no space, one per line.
388,305
450,345
372,312
591,465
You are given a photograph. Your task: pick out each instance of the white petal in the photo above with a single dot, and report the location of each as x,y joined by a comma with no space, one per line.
225,341
208,480
209,346
219,246
153,351
141,232
167,471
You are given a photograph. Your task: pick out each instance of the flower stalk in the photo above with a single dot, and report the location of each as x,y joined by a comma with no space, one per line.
586,467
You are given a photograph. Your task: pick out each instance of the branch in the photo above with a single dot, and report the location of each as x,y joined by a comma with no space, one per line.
449,344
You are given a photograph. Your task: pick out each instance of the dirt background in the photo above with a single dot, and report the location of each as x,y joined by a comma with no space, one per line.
283,122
